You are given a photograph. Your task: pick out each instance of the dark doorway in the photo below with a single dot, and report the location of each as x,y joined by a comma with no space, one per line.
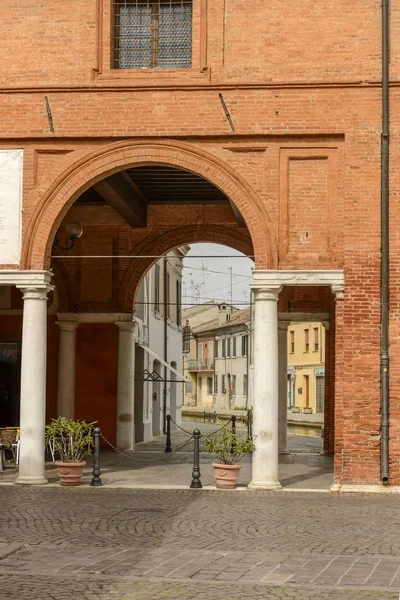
10,376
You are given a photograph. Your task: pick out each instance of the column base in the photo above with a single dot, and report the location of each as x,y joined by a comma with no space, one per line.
30,480
264,485
336,487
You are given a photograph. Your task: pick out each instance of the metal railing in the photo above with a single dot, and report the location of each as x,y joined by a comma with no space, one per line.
200,364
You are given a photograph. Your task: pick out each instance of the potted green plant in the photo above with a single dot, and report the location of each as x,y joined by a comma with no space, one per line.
295,409
307,410
229,446
73,440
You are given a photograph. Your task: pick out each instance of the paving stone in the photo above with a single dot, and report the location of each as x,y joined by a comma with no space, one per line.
184,545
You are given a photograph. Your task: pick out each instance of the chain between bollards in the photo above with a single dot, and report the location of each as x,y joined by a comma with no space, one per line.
196,482
168,446
96,480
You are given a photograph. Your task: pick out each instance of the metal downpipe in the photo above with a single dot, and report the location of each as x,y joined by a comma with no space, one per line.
384,358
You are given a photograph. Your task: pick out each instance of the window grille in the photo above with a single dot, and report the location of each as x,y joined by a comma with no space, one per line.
157,287
215,384
168,294
186,339
223,388
152,34
178,303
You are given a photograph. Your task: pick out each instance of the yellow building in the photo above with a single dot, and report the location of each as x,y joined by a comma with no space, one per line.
306,366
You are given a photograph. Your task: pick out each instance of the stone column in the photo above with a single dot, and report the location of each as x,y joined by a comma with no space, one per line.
126,385
283,367
33,386
266,395
329,417
339,400
66,369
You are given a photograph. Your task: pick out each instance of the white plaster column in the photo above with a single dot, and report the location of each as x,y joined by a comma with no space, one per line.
66,369
126,386
283,367
33,386
266,393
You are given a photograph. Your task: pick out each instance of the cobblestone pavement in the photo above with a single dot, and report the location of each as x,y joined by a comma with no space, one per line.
186,544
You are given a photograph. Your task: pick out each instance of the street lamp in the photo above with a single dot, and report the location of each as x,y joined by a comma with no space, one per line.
73,231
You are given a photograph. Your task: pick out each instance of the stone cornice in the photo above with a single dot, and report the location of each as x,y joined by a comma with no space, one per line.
122,85
275,279
24,279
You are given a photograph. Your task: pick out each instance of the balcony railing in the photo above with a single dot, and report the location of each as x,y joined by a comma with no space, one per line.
200,364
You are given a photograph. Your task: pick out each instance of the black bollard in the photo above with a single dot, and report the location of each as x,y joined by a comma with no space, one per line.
196,482
168,447
96,480
233,433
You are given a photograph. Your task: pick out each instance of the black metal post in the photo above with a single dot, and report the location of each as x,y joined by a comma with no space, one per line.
96,480
168,446
233,446
196,482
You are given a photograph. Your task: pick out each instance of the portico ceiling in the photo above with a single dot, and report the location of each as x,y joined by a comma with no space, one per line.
131,191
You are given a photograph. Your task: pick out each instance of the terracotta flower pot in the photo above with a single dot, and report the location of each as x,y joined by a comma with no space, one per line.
226,476
70,473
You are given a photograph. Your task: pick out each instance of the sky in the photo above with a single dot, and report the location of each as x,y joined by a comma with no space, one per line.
207,279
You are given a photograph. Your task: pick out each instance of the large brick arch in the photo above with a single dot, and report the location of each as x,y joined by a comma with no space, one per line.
129,154
191,234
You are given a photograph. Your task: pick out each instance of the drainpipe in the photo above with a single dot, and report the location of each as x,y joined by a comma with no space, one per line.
385,247
166,300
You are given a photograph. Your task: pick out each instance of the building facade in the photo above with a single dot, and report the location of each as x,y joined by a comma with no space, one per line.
306,366
200,351
154,125
159,348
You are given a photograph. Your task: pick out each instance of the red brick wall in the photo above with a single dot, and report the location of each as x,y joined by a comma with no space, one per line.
302,88
96,376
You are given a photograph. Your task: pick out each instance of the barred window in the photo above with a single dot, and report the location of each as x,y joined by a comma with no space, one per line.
186,339
152,34
157,287
178,303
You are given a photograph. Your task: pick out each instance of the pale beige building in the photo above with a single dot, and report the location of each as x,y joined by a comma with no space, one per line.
306,366
201,321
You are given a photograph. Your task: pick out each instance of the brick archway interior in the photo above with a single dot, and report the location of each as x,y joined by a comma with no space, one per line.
114,158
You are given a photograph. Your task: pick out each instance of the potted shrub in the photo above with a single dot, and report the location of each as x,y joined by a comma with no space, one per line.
307,410
295,409
72,440
229,447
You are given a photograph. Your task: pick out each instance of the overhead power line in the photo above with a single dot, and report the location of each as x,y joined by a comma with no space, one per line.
212,271
146,256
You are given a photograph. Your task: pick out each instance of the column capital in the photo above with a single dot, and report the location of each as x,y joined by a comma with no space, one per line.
35,293
67,325
129,326
338,291
265,292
